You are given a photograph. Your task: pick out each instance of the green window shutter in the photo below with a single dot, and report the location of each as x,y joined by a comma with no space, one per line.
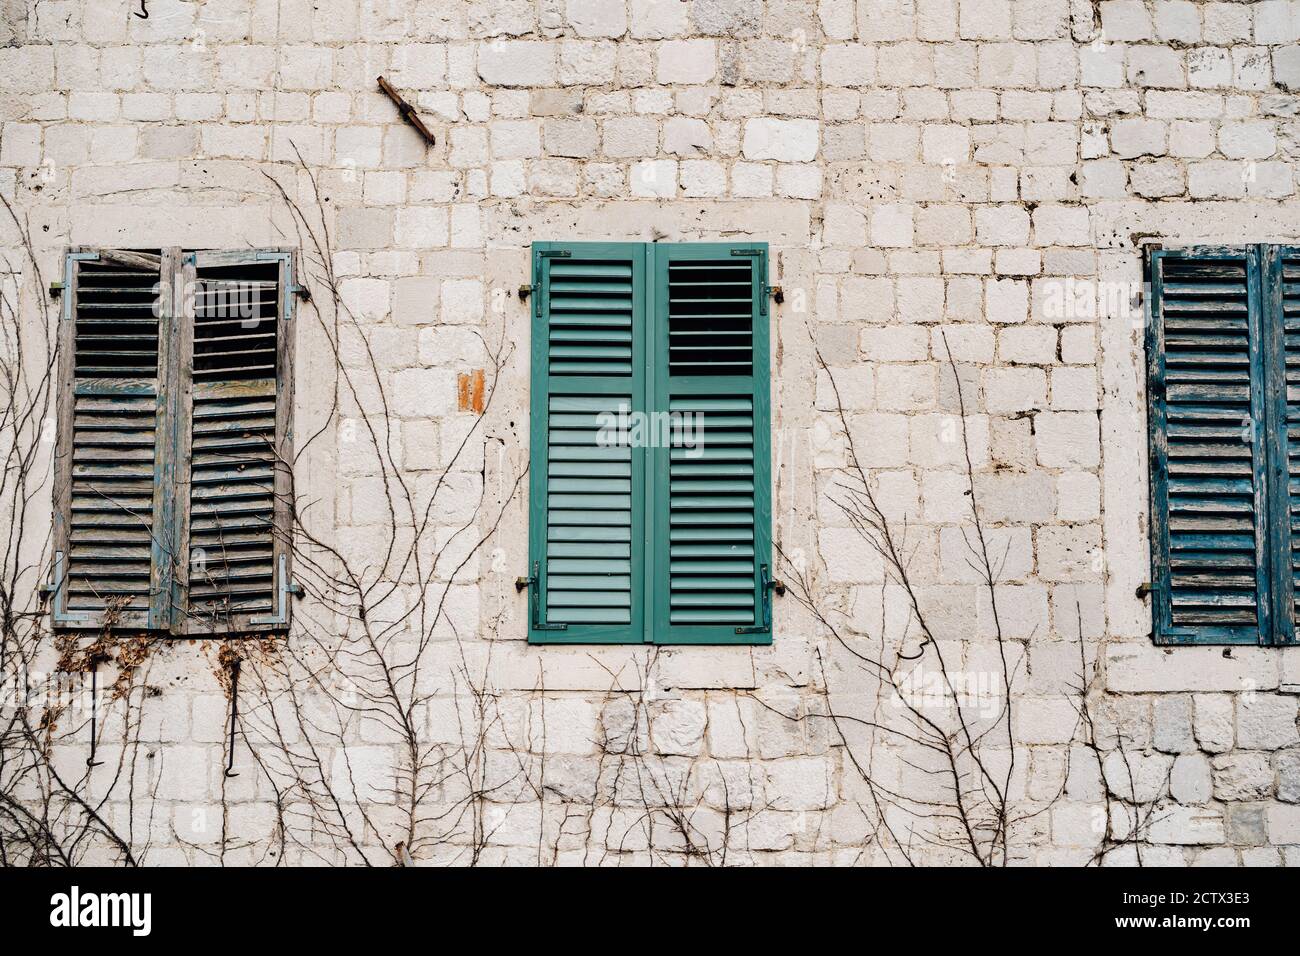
586,526
1208,420
113,544
710,490
236,445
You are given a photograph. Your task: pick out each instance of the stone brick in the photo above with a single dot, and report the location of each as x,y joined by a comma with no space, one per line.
1067,439
790,141
1132,668
1266,721
1215,728
1242,775
517,62
687,61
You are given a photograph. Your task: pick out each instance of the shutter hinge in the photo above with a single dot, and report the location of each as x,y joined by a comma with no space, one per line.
525,291
766,585
1144,589
69,276
301,291
56,289
544,254
286,588
775,292
59,595
534,599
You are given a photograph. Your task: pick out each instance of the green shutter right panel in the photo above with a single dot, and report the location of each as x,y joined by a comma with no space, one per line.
710,488
1207,404
586,526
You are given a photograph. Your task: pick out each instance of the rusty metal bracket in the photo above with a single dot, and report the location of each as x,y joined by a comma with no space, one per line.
767,584
406,109
234,717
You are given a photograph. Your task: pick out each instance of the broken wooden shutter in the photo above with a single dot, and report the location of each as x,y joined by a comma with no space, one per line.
114,551
236,441
586,528
1207,388
711,489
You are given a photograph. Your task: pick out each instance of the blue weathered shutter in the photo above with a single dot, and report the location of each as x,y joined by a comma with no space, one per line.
1207,388
113,547
1280,320
711,488
586,524
236,442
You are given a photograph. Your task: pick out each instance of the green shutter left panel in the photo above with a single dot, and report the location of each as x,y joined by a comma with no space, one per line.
587,483
710,487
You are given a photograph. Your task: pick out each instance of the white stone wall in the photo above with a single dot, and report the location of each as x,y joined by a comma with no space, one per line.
929,175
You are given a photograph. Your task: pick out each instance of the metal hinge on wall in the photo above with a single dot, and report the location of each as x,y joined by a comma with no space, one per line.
287,587
766,585
765,289
57,591
534,598
545,254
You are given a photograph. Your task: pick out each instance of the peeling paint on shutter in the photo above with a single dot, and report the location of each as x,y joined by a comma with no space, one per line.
1280,319
1207,405
109,535
586,521
236,394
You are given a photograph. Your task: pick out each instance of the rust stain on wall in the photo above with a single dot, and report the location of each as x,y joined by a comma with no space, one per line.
470,391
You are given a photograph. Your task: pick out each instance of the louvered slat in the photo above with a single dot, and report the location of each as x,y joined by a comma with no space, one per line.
710,326
711,569
1211,443
114,416
588,512
590,329
111,520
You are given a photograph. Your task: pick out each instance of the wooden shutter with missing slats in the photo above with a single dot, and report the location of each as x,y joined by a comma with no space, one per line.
587,484
236,443
173,487
114,556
